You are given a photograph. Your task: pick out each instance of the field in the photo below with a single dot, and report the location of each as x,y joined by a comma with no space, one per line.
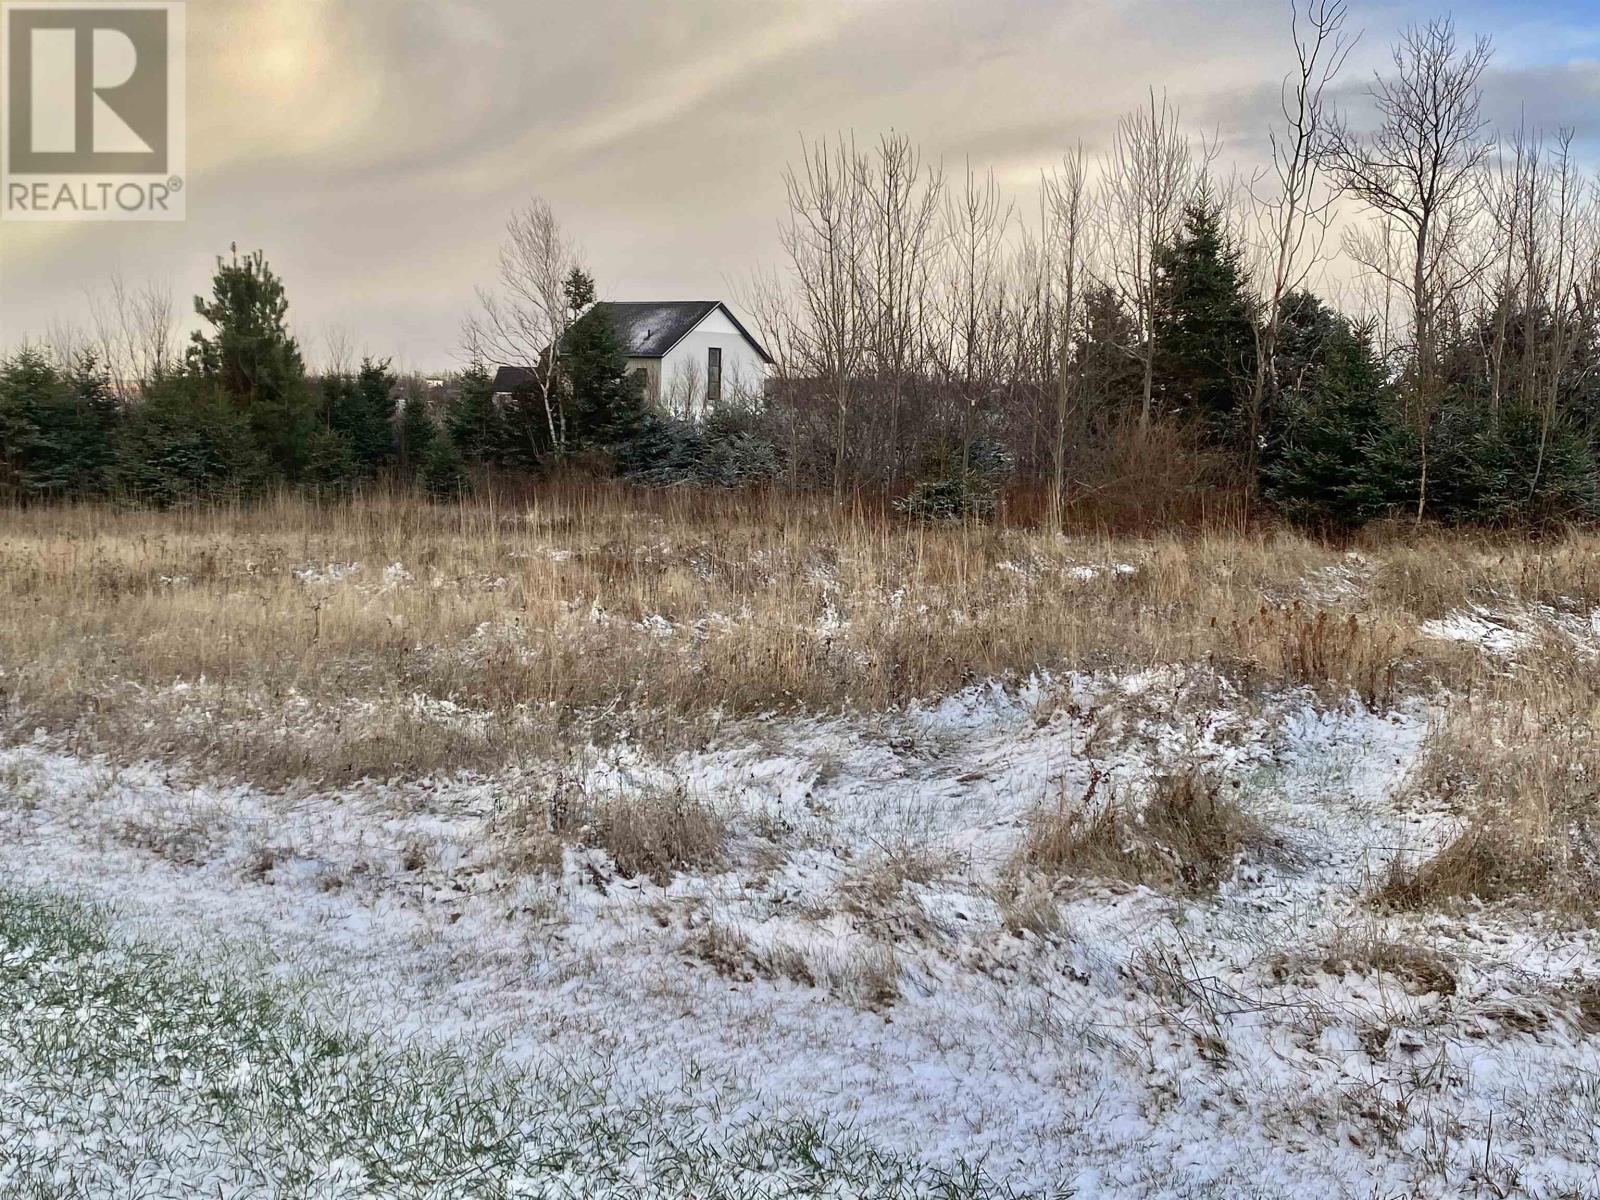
629,843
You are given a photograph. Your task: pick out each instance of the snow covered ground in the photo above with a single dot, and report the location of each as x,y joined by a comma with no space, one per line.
851,957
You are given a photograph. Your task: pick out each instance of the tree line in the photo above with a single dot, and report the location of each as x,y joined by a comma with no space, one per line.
1150,303
1144,319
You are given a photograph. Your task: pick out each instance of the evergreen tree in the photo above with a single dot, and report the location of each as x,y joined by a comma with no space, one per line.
418,430
607,399
1204,320
444,473
1102,357
361,409
1536,469
330,462
57,426
373,440
1342,454
250,356
472,420
187,441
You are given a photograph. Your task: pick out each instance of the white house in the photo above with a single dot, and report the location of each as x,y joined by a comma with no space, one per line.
694,354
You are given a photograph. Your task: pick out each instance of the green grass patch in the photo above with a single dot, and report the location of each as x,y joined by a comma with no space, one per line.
125,1072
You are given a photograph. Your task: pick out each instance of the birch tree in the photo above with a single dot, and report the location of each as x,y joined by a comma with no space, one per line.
523,323
1417,170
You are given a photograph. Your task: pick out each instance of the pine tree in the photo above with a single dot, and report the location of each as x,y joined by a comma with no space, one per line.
250,356
1204,320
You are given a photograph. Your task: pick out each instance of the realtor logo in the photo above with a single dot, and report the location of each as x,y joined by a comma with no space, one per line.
93,127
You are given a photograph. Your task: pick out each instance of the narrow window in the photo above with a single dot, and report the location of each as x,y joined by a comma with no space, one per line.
714,375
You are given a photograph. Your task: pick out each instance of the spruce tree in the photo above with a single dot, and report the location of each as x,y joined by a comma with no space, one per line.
607,399
1342,454
444,473
187,441
472,420
372,442
418,430
360,409
1204,320
57,426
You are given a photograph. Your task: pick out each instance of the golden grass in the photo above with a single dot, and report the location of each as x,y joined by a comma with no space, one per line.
1418,969
1186,837
384,637
1519,763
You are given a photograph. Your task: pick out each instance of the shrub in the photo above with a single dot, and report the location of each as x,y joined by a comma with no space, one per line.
960,485
727,449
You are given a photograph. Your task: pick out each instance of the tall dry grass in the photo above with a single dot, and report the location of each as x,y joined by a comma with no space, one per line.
388,637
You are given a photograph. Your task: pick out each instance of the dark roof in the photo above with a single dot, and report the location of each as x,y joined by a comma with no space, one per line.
513,379
646,329
651,328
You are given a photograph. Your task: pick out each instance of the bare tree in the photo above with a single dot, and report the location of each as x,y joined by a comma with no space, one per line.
1417,170
825,237
1510,193
524,322
134,333
1149,175
1066,199
1292,216
1561,249
976,220
903,240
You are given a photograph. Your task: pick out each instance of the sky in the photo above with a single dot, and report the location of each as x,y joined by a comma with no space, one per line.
375,148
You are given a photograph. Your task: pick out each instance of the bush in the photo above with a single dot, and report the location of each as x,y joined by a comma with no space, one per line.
960,486
725,450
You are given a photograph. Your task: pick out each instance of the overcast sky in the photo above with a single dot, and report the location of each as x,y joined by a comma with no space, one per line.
374,148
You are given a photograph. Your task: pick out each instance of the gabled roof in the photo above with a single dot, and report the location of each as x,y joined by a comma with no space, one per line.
651,328
646,329
513,379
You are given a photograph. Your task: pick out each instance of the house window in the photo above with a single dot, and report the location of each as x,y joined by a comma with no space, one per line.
714,375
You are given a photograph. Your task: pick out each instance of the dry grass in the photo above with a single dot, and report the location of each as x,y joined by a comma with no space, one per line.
656,834
877,896
651,832
1417,969
1518,763
387,638
1186,837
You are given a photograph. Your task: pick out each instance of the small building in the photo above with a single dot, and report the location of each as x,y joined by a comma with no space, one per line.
693,354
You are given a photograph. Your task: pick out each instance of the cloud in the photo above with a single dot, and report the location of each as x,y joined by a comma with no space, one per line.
374,148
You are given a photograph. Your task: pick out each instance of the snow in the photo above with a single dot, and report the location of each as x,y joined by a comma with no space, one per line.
1154,1046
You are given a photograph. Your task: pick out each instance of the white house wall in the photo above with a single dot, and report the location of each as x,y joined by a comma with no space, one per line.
683,370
